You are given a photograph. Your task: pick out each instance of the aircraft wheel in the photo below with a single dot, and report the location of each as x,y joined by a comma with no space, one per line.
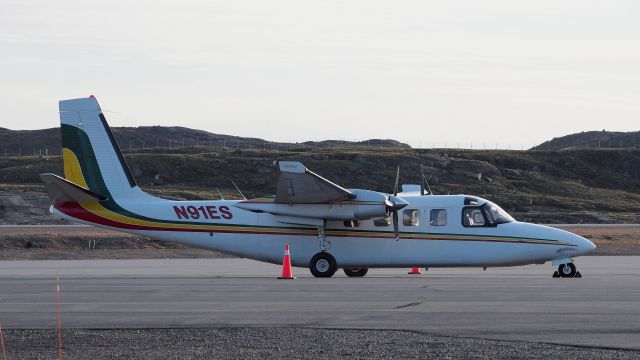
567,270
323,265
355,272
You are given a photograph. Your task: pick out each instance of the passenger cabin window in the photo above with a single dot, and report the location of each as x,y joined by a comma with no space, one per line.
351,223
438,217
411,217
472,216
382,222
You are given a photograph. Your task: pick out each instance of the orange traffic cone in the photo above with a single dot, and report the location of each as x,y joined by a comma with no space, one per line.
287,273
414,271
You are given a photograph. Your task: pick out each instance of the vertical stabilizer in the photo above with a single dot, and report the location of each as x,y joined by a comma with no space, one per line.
92,158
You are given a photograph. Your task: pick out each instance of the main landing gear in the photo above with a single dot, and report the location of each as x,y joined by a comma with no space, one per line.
355,272
567,271
323,264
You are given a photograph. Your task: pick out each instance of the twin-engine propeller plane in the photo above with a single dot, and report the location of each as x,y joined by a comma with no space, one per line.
327,226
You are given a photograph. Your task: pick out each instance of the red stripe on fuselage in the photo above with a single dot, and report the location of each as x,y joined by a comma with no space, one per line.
77,211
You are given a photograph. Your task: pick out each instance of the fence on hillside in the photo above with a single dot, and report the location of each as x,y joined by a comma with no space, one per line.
180,145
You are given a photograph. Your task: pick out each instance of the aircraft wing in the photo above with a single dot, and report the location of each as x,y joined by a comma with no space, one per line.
299,185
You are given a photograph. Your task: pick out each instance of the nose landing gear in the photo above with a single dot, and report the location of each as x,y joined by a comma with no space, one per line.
567,271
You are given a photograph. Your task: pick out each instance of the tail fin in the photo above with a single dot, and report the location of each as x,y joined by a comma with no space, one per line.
91,156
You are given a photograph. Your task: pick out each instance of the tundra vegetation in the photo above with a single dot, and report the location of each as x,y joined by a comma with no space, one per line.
572,185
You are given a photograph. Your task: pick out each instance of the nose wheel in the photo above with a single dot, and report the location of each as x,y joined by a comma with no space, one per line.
567,271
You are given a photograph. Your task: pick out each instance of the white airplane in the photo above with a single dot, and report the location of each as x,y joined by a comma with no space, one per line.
326,226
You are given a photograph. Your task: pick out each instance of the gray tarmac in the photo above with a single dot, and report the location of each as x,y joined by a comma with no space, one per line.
521,305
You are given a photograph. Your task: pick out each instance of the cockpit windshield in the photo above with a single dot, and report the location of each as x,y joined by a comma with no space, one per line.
496,215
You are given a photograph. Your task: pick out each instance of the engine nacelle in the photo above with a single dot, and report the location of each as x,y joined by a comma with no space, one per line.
369,204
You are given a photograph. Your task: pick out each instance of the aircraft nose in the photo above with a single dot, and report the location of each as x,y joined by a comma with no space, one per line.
584,246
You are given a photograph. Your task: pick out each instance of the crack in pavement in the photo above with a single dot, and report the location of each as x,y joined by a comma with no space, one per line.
415,303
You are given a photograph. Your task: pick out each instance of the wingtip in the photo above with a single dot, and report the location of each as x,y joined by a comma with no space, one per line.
46,176
295,167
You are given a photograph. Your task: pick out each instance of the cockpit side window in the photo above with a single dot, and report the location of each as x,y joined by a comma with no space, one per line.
473,216
496,215
488,214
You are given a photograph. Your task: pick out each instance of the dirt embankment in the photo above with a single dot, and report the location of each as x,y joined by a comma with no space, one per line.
25,207
80,242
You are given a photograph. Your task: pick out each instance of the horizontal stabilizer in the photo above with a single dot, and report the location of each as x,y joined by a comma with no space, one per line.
62,190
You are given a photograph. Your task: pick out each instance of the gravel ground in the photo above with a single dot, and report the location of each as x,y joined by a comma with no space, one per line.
281,343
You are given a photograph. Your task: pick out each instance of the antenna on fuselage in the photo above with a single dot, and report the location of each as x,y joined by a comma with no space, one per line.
237,188
220,194
424,181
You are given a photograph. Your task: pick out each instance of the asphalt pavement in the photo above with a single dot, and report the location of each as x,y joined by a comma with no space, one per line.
522,304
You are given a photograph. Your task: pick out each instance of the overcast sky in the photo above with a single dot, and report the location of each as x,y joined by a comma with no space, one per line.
423,72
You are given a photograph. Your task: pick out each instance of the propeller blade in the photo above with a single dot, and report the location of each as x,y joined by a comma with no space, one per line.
395,188
421,180
396,226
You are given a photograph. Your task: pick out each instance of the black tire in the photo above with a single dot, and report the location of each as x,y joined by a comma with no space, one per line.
323,264
567,270
355,272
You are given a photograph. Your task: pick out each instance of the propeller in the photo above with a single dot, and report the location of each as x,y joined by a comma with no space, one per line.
394,203
395,187
421,180
396,227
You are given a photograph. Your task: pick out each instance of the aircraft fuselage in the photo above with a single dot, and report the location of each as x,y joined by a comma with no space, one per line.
222,226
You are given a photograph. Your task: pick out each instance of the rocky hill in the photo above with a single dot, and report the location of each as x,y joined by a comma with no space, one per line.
47,141
593,140
569,186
